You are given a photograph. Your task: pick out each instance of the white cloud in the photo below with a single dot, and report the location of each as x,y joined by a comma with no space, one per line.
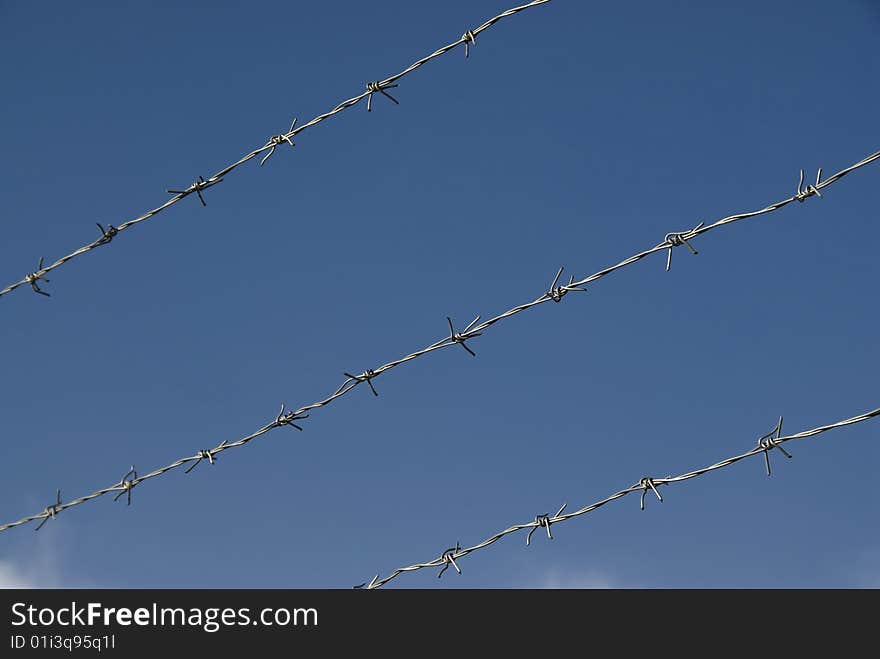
12,577
40,568
865,568
558,578
26,575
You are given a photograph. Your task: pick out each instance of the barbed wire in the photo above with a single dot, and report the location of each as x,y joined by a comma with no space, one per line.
765,444
555,293
467,39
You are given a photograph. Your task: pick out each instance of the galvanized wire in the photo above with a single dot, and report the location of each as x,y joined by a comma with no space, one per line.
555,293
468,39
644,485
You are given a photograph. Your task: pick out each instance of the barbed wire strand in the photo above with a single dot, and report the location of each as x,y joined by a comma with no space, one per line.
645,485
468,39
471,331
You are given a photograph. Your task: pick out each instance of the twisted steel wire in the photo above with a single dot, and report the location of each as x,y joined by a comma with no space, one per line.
471,331
468,39
765,444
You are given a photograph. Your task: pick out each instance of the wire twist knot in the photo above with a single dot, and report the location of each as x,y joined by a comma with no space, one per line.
288,419
770,441
543,520
106,236
127,483
448,558
367,377
646,483
811,189
377,86
38,275
278,140
204,454
556,293
469,40
51,510
677,239
461,337
197,187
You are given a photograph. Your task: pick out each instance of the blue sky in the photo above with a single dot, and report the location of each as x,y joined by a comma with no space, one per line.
576,134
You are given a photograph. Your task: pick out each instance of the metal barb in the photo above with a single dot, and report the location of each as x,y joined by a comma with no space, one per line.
812,189
51,510
641,485
127,484
448,558
203,455
288,419
543,520
36,276
461,337
469,40
346,388
646,483
278,140
367,586
106,236
556,293
197,187
339,107
443,343
678,238
367,376
377,86
771,440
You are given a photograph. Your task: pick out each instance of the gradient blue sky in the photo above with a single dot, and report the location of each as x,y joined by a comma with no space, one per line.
577,133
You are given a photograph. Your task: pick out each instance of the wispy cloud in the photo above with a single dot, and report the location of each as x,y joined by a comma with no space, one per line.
28,574
865,568
11,576
561,578
41,568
